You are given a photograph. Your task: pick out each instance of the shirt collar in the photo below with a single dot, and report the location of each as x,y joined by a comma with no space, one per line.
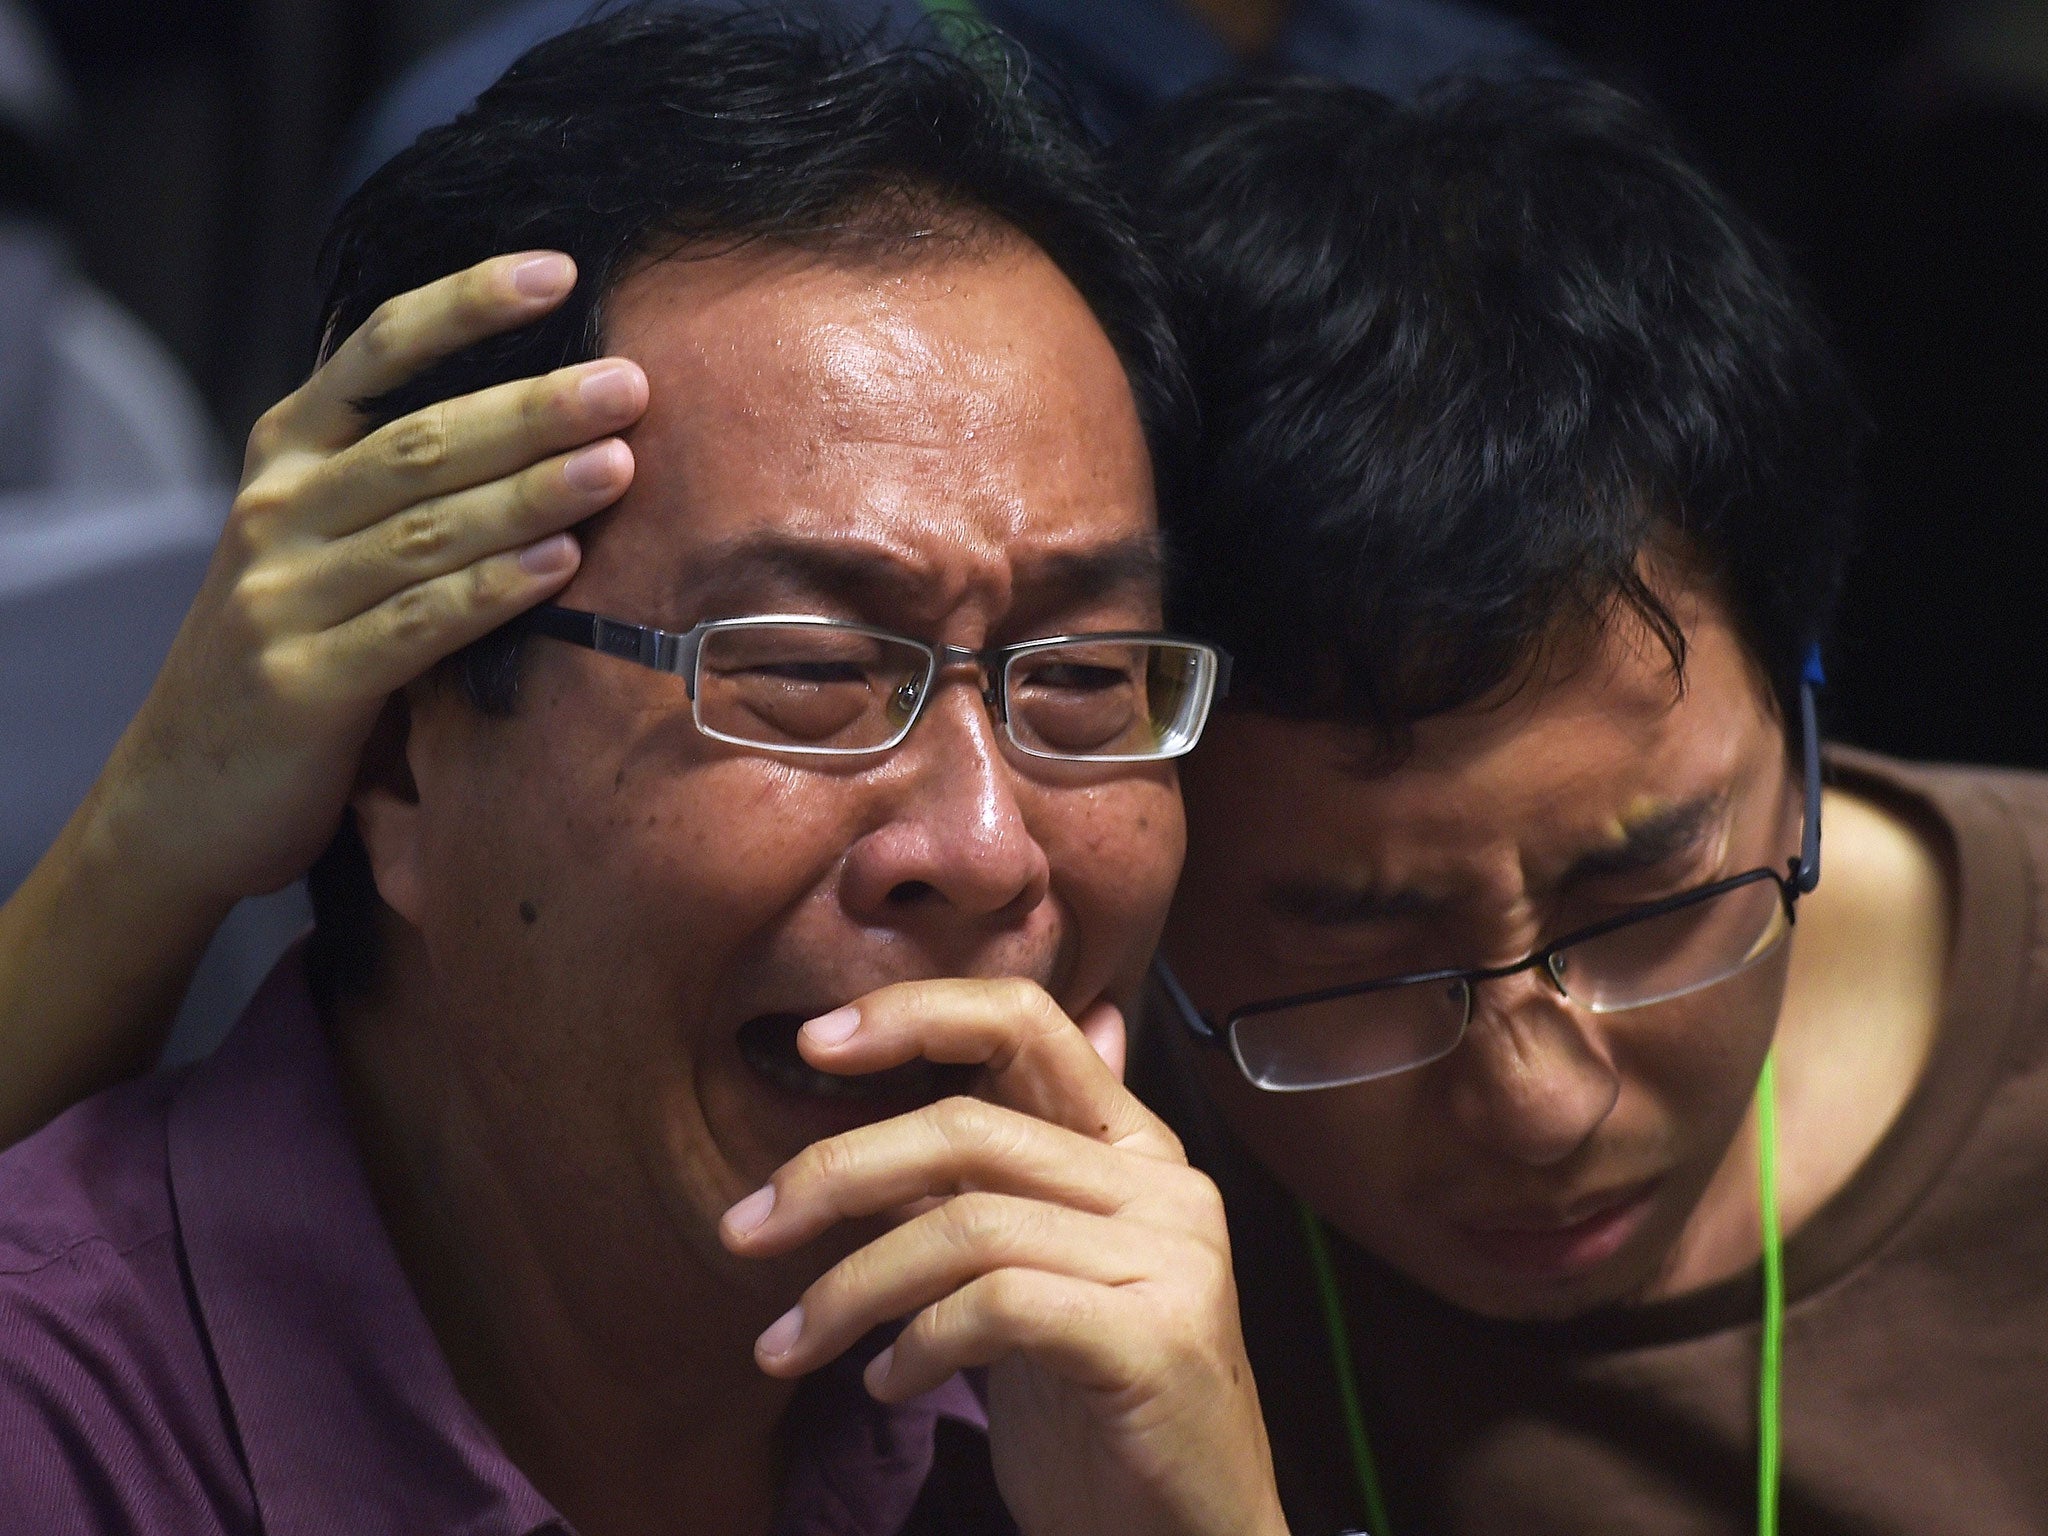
858,1467
348,1415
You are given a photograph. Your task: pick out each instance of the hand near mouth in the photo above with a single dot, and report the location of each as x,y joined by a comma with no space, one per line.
1067,1245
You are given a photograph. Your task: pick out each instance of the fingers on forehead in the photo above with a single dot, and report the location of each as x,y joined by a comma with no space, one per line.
405,334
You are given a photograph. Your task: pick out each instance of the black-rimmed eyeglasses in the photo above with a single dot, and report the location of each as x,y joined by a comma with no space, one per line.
1650,954
801,683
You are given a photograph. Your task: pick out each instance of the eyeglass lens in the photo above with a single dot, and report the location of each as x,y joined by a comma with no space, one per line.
814,687
1352,1039
807,686
1676,952
1104,698
1366,1035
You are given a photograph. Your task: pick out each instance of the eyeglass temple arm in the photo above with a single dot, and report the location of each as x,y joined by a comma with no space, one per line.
635,642
1196,1021
1806,875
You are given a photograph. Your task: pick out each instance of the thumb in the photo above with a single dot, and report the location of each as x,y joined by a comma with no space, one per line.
1103,1026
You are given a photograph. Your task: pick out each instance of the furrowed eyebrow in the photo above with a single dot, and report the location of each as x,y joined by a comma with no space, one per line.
1334,905
1136,564
1654,840
858,575
870,578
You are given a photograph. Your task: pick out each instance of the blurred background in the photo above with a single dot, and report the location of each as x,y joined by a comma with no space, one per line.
1899,147
166,168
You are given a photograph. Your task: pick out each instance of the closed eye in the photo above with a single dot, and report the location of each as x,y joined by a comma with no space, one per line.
1074,677
812,671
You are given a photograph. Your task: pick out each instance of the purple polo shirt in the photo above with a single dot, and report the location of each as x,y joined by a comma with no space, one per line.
204,1328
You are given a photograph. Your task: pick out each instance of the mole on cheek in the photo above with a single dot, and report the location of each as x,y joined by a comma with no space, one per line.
528,912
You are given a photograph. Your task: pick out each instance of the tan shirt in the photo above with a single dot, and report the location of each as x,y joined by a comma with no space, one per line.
1915,1389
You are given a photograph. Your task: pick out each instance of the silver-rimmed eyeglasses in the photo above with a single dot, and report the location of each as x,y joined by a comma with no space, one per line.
801,683
1662,950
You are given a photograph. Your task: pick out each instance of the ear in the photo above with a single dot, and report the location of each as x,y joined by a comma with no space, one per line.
387,808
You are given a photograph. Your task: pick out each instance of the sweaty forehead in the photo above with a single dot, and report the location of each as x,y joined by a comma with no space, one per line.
961,412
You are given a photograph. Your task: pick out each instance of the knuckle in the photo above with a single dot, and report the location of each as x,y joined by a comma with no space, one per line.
1208,1270
419,537
827,1163
542,402
1037,1007
488,582
972,1127
284,671
971,1220
480,291
256,596
268,434
411,615
1022,996
1202,1200
265,499
1010,1294
419,442
1006,1293
1013,1300
537,493
382,335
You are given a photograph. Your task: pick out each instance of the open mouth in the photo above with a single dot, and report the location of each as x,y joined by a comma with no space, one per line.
767,1042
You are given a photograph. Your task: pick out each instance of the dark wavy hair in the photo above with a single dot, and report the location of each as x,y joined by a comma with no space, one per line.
1462,364
652,131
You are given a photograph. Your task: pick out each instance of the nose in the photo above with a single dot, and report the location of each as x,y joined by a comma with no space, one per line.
952,843
1532,1079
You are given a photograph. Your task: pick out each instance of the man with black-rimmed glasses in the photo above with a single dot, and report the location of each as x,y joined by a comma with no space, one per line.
1623,1133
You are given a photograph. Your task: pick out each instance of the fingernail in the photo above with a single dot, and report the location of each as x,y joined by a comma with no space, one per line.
878,1369
780,1336
595,468
543,277
752,1211
609,390
834,1028
550,557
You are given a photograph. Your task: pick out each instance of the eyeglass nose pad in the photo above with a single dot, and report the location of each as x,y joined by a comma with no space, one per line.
992,696
1554,967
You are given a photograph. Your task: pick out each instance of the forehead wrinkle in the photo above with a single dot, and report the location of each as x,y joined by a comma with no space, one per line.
875,571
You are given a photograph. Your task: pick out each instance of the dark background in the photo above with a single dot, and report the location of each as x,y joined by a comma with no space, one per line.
1898,147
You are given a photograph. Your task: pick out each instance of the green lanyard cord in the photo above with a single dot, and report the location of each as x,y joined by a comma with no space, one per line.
1771,1348
1770,1352
1334,1323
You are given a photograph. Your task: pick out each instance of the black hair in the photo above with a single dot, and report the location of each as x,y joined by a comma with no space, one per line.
1463,364
651,131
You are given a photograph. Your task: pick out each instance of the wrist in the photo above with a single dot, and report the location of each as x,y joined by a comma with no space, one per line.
123,859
